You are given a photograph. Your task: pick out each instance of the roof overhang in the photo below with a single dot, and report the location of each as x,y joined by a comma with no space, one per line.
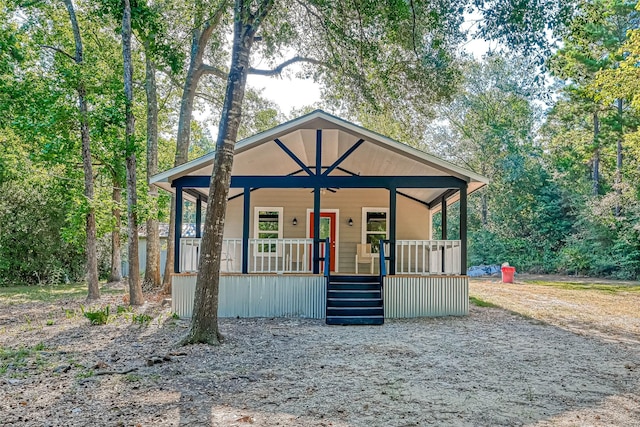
290,147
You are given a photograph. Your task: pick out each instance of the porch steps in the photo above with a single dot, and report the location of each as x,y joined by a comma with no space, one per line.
354,300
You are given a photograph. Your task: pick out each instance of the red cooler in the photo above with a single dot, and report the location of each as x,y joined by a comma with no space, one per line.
507,274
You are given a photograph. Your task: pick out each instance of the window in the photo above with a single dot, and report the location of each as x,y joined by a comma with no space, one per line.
374,227
267,225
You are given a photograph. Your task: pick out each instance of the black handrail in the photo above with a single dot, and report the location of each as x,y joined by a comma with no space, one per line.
383,258
383,264
327,257
327,272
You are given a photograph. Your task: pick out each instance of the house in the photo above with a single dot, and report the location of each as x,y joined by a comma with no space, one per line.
316,189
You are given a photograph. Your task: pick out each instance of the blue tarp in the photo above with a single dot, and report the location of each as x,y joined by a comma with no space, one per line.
483,270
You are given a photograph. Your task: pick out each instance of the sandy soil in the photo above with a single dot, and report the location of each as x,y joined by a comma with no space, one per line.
493,367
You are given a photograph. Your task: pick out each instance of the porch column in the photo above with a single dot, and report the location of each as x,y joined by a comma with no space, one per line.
443,215
392,230
198,217
178,230
316,205
245,230
463,229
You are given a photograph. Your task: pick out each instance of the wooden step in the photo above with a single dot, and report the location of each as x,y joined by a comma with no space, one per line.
354,300
349,320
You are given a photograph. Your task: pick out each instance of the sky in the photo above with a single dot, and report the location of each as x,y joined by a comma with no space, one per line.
289,92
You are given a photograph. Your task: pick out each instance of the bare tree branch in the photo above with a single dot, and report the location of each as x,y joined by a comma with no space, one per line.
278,70
57,49
209,69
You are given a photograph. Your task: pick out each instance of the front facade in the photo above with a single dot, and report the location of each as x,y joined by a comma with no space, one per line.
352,188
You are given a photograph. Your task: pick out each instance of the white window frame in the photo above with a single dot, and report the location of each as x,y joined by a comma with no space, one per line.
365,211
256,222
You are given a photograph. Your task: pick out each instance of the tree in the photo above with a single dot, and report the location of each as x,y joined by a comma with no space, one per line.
92,264
204,326
135,290
204,27
591,45
490,128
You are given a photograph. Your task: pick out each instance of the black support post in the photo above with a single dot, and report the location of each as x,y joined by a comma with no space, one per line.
392,230
245,230
178,230
463,230
199,217
443,223
316,206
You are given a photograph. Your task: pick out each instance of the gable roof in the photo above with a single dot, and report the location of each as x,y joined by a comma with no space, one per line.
378,155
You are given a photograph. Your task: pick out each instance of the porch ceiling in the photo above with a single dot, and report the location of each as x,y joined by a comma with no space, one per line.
260,155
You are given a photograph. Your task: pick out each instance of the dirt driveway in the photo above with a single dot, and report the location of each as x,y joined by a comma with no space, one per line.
493,367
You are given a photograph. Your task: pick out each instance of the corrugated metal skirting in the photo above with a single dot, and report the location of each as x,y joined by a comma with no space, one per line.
425,296
257,296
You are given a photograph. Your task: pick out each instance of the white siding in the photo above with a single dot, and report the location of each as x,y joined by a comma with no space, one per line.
425,296
257,296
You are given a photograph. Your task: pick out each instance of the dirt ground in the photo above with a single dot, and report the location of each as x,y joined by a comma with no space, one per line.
553,357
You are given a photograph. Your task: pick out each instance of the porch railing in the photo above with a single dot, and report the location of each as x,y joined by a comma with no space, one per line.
428,257
265,255
190,255
421,257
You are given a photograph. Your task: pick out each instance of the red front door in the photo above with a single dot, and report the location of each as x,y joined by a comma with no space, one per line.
327,229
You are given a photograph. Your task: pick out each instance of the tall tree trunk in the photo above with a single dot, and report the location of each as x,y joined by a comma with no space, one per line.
135,290
618,179
595,176
484,199
116,259
199,39
90,222
152,270
168,268
204,323
485,208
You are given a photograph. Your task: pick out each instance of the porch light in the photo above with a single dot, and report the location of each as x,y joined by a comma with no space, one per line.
350,222
295,221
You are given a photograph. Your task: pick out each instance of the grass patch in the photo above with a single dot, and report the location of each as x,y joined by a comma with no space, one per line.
481,303
85,374
132,378
575,286
16,359
24,294
98,316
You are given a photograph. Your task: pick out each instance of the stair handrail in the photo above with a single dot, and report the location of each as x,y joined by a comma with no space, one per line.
383,270
327,272
327,258
383,258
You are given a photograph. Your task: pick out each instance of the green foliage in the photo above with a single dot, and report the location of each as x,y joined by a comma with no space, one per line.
481,303
123,309
85,374
32,248
14,360
141,319
99,316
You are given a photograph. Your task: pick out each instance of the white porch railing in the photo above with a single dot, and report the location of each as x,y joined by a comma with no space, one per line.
419,257
190,255
280,255
428,257
265,255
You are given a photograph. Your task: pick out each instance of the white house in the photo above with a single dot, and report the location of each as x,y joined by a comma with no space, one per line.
320,176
